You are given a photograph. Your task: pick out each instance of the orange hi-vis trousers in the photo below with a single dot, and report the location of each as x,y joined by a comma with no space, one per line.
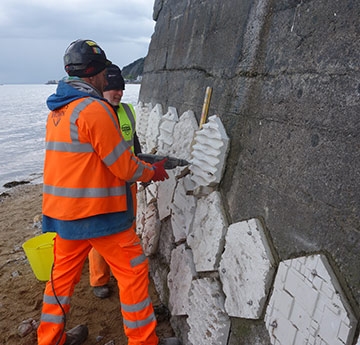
98,267
130,267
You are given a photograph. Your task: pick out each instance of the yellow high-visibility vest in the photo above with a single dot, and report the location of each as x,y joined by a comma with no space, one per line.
127,119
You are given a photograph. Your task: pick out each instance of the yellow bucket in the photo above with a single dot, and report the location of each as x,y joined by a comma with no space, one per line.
40,253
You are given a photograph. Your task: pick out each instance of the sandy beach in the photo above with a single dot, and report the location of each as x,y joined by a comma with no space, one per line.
21,293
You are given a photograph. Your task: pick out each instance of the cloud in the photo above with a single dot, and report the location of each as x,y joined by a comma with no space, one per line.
34,34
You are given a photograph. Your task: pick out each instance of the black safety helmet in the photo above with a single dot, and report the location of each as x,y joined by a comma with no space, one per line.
84,58
114,78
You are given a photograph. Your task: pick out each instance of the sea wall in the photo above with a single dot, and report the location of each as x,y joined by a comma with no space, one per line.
286,86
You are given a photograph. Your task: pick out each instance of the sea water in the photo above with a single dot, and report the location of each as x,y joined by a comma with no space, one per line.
23,115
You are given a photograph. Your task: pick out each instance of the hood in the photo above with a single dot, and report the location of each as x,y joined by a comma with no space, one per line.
70,89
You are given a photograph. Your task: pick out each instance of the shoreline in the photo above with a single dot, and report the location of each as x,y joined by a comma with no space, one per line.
32,179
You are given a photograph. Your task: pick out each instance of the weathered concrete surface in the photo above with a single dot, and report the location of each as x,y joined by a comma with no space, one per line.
246,332
286,84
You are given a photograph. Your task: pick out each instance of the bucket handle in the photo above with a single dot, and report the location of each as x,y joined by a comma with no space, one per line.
45,245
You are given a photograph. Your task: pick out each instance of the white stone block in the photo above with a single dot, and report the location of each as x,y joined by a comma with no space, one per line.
300,318
142,112
151,233
188,184
246,269
300,339
320,312
206,238
306,296
182,212
208,321
152,131
140,213
184,131
165,195
182,272
159,276
286,304
343,332
151,192
166,129
285,332
209,153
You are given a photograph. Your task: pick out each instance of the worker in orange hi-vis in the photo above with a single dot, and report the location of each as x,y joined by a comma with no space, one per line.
87,201
113,92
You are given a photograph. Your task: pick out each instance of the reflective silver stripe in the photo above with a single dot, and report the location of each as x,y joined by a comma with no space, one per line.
69,147
131,117
121,147
52,300
140,162
52,318
75,145
139,323
139,171
138,260
84,192
116,153
74,134
132,308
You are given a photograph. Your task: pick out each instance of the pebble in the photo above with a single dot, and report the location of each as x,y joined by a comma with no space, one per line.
37,221
15,274
26,327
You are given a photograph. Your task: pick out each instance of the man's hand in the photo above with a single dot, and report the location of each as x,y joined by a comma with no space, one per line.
160,173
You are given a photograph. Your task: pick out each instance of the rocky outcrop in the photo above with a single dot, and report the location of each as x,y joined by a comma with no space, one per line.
285,78
133,70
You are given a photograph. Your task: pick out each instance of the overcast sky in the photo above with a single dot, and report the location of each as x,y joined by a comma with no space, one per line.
35,33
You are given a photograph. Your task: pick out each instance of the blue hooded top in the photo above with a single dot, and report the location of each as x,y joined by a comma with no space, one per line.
68,90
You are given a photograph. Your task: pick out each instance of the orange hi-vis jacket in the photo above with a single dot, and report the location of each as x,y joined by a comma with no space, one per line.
87,162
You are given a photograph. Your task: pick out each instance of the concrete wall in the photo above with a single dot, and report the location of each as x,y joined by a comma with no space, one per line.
286,85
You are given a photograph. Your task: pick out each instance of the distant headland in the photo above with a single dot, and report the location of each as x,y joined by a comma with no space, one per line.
132,73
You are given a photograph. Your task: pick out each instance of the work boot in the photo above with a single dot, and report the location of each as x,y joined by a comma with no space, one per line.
76,335
169,341
101,291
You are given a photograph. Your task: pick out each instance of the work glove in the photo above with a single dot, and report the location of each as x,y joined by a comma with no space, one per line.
160,173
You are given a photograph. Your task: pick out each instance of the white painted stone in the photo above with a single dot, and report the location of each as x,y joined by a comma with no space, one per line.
159,273
208,321
246,269
207,236
166,243
151,233
165,195
140,213
188,184
209,153
319,311
200,191
152,131
151,192
182,272
142,112
182,212
184,131
166,129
